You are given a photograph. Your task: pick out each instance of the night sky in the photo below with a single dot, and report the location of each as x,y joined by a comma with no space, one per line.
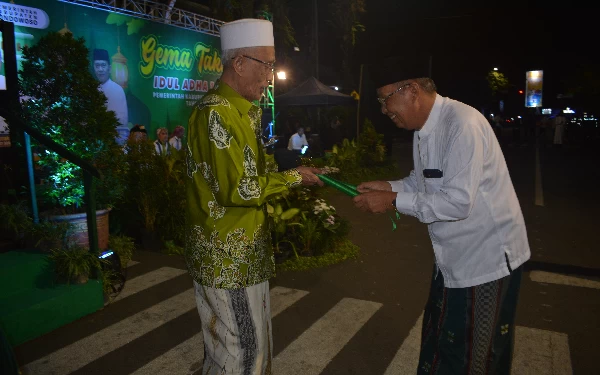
467,39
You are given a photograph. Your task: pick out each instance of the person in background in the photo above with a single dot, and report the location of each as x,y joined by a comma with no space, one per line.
176,140
230,179
115,95
161,144
298,140
560,121
461,188
137,135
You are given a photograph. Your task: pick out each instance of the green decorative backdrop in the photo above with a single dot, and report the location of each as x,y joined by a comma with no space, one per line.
162,69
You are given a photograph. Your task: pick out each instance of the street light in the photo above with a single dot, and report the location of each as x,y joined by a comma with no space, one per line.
281,75
496,69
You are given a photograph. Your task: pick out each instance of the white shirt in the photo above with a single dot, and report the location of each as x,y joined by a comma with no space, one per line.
473,214
116,100
162,149
297,141
175,142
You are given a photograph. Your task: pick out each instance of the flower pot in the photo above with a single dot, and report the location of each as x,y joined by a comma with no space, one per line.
80,228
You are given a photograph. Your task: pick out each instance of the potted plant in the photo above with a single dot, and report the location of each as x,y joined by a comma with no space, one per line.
74,264
14,223
123,246
60,97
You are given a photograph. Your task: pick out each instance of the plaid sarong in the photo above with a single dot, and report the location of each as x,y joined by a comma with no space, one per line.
469,330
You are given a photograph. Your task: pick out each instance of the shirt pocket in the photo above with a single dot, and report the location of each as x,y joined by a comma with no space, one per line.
433,185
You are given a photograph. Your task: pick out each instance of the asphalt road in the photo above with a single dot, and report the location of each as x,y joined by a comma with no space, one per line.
362,316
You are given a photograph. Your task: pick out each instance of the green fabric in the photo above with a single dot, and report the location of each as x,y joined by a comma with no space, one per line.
28,315
32,303
228,242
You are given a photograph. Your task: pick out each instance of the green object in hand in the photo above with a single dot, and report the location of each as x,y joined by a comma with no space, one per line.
351,191
341,186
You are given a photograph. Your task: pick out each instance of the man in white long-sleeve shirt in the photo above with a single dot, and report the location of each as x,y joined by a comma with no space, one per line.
115,96
460,187
298,140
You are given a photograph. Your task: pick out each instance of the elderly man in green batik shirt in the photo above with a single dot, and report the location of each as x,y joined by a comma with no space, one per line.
228,244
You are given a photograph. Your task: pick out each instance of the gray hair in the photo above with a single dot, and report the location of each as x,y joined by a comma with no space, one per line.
228,55
427,85
160,130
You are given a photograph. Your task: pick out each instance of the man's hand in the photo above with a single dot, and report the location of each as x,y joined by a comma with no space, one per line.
366,187
308,176
376,201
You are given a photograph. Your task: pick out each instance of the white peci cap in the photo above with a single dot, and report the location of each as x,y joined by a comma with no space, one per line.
247,32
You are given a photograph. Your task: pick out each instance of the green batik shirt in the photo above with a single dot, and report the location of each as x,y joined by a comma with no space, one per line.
228,241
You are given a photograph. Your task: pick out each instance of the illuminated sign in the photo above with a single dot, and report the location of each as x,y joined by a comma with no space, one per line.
24,16
533,88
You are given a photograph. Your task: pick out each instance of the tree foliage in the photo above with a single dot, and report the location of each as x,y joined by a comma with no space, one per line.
61,99
345,18
497,82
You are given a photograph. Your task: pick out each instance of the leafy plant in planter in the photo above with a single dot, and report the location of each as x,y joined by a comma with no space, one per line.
155,196
15,222
305,224
357,160
123,246
75,264
62,100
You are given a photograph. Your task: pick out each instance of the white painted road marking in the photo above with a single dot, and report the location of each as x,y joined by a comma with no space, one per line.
310,353
186,358
536,352
76,355
406,359
556,278
539,191
147,280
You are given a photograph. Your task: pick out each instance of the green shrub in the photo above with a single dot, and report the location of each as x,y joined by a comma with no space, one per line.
74,264
123,246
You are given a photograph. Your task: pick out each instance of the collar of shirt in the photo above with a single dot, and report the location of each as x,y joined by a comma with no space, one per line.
241,104
433,118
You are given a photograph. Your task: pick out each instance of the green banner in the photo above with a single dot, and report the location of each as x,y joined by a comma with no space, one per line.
151,73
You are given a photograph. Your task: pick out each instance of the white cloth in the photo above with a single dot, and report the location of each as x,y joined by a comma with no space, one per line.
297,141
115,100
236,326
559,122
175,142
473,214
248,32
162,149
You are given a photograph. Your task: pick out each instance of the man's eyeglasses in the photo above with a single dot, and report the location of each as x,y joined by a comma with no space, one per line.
271,66
383,100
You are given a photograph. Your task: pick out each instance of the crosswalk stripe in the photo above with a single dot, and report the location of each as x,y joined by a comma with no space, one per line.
540,352
536,352
556,278
86,350
145,281
310,353
186,358
406,359
282,298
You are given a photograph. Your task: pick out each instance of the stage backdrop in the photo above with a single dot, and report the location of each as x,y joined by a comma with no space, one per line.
159,70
